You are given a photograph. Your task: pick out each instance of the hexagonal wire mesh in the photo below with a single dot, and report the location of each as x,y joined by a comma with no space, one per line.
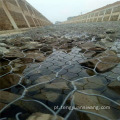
60,80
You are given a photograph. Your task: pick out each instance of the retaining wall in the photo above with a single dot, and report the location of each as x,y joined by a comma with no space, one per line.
16,14
110,12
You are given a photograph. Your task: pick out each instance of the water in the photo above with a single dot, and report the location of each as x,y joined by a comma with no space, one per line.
57,73
28,86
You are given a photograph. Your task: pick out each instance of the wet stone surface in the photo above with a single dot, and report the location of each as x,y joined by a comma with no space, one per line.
57,72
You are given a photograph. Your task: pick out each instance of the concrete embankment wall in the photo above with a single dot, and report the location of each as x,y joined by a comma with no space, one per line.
16,14
110,12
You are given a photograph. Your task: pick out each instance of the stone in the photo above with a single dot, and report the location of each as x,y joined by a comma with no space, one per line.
64,46
112,36
31,46
86,99
61,65
98,80
94,83
107,39
48,53
8,81
16,42
45,78
39,57
93,86
3,50
86,46
70,41
18,67
80,84
20,64
4,69
91,104
107,42
53,92
115,85
51,41
58,85
92,52
31,67
1,56
19,41
43,116
99,37
110,31
23,60
106,64
46,48
13,54
4,45
97,49
2,40
2,105
67,46
38,75
116,47
118,78
26,39
7,97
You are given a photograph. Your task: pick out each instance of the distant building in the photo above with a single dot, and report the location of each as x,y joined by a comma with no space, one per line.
58,22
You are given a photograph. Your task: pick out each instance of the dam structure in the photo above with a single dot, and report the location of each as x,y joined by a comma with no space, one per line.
110,12
17,14
66,71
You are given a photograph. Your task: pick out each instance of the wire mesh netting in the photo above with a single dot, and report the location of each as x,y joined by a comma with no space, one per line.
56,74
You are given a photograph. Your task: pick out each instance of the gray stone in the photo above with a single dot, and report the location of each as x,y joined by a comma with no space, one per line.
99,37
108,41
19,41
31,46
3,45
13,54
3,50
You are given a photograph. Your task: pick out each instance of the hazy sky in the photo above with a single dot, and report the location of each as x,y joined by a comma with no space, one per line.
60,10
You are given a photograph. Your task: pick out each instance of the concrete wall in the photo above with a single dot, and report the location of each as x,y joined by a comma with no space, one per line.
16,14
110,12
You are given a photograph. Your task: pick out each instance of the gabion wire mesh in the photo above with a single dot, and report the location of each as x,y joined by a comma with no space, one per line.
61,76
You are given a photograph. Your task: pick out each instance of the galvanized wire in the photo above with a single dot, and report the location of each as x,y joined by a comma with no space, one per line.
74,89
